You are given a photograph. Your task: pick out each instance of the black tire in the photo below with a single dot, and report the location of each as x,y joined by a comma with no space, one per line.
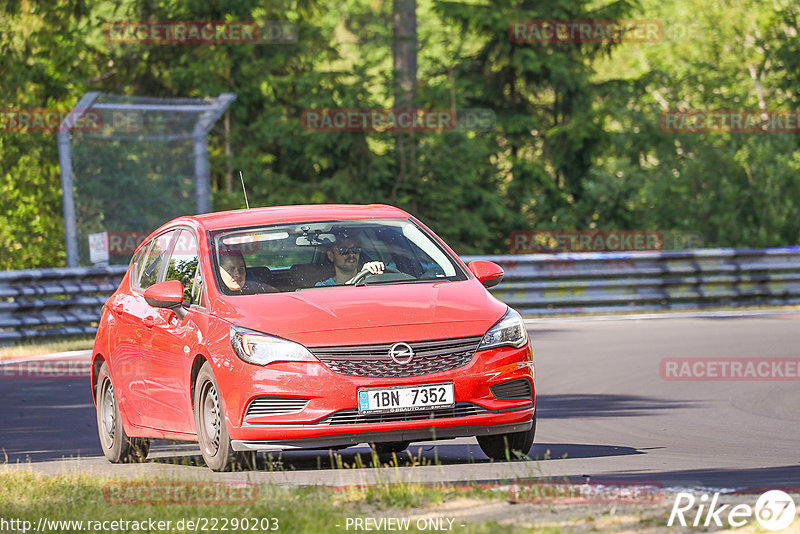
390,447
212,432
508,446
117,446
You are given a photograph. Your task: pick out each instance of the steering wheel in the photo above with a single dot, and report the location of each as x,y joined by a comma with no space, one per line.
365,272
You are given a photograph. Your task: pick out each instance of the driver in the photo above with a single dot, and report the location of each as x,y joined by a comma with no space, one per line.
345,254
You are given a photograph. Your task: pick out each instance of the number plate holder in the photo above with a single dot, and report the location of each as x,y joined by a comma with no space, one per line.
406,398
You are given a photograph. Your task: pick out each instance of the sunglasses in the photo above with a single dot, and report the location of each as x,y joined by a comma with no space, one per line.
345,251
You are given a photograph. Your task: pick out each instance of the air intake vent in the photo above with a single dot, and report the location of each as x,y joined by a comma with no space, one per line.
513,389
261,406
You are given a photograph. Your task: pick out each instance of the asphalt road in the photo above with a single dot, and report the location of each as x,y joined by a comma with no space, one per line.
604,412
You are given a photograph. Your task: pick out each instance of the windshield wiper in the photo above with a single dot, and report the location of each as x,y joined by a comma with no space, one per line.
387,282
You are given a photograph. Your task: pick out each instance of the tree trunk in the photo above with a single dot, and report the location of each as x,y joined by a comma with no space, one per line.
404,25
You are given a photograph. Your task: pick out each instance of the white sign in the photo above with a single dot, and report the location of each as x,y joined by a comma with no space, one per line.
98,248
406,398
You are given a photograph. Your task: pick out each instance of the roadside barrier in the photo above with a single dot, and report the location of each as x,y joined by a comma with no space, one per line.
40,303
603,282
56,302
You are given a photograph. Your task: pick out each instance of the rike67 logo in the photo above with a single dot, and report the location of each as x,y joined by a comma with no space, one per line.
774,510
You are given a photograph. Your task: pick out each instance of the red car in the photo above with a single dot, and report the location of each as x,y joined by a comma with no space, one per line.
308,327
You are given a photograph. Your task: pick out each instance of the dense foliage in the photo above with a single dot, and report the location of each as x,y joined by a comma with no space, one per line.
577,142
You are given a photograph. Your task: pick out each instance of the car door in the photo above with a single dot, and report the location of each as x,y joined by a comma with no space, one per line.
124,340
135,318
175,343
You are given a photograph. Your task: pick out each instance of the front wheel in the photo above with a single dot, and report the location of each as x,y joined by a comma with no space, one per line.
508,446
117,446
209,420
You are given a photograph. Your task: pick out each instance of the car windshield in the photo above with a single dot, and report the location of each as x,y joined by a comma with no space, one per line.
313,255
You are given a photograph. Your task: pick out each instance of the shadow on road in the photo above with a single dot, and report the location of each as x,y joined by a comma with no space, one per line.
415,455
50,419
591,405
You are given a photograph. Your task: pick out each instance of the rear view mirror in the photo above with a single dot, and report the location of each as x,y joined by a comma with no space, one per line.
489,274
315,239
167,294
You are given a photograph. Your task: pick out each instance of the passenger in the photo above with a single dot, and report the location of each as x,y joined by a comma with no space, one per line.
345,254
233,272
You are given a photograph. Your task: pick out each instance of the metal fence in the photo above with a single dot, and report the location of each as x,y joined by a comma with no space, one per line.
138,148
545,284
50,302
40,303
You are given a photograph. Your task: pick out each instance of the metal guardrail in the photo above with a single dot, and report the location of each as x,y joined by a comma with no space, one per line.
52,302
568,283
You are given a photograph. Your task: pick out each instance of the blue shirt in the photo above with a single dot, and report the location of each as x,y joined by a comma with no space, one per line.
331,282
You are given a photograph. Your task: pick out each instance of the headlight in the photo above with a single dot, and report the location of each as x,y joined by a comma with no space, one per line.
510,330
262,349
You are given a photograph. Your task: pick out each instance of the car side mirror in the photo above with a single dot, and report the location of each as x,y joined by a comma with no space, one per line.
167,294
488,273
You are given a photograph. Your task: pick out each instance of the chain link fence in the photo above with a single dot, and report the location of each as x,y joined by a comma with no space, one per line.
129,164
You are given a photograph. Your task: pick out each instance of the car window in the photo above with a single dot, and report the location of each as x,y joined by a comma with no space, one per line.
323,253
183,267
276,254
137,264
153,265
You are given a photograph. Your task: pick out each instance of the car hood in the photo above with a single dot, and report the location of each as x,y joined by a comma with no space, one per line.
368,314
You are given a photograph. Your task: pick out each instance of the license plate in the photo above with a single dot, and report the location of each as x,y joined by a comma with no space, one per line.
406,398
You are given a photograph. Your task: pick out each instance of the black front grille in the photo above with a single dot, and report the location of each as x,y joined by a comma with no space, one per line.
513,389
352,417
374,360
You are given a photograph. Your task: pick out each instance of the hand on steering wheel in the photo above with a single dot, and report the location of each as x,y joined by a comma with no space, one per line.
372,267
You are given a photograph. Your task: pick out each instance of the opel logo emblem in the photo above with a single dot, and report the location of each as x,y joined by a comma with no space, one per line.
401,353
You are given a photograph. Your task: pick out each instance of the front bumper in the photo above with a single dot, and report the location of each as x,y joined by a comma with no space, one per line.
332,399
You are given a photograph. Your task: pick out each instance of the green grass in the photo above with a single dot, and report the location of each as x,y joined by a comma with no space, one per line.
29,348
29,496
